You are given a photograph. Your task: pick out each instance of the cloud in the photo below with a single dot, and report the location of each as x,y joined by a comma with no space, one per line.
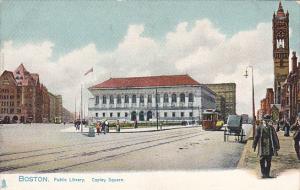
199,49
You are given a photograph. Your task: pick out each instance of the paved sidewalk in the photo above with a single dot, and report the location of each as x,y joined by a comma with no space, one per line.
286,159
130,130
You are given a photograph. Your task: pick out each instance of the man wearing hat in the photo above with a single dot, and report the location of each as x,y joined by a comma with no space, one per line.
268,144
296,136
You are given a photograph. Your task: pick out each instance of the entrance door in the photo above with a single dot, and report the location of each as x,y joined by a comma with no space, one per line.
6,119
149,115
133,116
141,116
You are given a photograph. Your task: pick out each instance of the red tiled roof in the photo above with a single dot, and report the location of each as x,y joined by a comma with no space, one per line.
150,81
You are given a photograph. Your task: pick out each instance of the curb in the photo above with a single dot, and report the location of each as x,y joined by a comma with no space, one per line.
247,148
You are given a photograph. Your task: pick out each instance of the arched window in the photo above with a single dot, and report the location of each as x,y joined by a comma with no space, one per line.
166,98
141,98
149,100
111,99
104,100
191,97
174,98
134,99
182,97
119,99
126,99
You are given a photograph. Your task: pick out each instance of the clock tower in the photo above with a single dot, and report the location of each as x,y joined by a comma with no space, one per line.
281,50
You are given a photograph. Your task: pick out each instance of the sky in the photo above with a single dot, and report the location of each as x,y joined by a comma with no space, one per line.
212,41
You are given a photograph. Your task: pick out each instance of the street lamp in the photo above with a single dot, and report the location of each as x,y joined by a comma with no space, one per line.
156,106
253,103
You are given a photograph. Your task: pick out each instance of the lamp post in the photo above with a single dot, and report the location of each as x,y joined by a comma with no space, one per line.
253,103
156,106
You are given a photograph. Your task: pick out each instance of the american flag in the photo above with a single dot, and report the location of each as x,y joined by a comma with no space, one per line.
89,71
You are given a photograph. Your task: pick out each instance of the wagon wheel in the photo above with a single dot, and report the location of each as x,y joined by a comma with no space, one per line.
242,135
225,134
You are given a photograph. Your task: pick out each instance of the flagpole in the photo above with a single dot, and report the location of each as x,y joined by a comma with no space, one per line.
81,109
75,110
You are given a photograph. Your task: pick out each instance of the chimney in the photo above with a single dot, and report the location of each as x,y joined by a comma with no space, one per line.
294,62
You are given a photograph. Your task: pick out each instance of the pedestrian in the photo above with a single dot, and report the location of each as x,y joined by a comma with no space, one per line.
118,126
98,125
286,127
106,126
267,141
279,124
103,128
135,123
296,136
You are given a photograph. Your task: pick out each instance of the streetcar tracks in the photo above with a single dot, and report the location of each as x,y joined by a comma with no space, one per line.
93,153
72,147
117,155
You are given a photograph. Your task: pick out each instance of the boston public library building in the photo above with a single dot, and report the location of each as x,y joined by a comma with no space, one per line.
173,98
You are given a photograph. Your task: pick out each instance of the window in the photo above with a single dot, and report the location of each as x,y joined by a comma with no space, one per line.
191,114
173,114
166,98
111,99
118,114
103,114
166,114
141,98
96,114
191,97
182,114
97,100
149,98
134,99
174,98
111,114
126,114
118,99
126,99
182,97
157,98
104,100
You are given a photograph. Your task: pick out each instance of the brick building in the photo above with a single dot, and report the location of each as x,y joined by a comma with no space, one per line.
266,103
281,50
22,97
290,102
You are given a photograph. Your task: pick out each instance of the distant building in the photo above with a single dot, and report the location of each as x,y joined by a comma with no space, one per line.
228,91
22,97
290,101
175,97
221,106
67,116
56,109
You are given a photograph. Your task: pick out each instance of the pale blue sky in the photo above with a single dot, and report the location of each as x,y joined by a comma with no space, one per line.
85,34
73,24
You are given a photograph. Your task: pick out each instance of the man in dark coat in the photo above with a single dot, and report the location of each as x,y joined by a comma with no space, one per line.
296,136
268,144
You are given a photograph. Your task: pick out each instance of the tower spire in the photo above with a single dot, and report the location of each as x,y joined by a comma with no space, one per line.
280,11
